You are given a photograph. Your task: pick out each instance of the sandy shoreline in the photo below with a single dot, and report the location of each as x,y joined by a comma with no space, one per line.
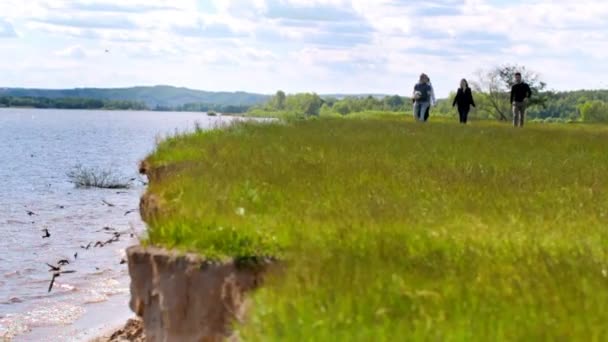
99,319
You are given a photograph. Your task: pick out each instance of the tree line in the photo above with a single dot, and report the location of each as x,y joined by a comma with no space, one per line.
311,104
491,91
69,103
97,104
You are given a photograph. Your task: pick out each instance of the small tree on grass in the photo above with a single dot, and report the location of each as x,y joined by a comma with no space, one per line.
497,83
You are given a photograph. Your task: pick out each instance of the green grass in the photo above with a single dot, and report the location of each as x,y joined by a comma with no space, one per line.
395,230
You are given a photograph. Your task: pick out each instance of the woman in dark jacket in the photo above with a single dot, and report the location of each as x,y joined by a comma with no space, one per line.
464,100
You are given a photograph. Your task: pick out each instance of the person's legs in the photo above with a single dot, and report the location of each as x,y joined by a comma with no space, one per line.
424,106
516,114
465,115
461,115
427,113
416,110
522,114
519,114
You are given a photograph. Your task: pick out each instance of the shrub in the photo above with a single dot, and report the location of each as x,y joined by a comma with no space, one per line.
84,177
594,111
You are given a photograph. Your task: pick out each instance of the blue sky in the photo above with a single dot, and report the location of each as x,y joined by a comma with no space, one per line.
327,46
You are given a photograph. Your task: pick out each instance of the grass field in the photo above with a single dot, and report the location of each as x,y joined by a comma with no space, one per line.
394,230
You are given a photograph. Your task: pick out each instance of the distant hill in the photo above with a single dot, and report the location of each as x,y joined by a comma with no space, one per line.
163,96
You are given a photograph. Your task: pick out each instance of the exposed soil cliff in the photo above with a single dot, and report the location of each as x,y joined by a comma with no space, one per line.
182,297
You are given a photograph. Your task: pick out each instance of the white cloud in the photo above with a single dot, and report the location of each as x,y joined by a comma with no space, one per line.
76,52
6,29
322,45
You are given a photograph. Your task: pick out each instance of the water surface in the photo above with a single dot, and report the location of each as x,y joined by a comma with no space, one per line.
37,149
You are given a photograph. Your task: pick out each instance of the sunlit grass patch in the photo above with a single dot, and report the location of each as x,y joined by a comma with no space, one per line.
399,230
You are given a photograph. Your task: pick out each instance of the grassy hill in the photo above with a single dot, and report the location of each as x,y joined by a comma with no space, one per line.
164,96
392,230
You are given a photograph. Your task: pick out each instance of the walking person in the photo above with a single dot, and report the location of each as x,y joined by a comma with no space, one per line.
433,101
422,97
464,100
520,94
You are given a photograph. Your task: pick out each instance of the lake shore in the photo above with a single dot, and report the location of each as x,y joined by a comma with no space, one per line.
41,147
99,319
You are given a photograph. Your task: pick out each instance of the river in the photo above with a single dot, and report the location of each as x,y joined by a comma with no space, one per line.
37,150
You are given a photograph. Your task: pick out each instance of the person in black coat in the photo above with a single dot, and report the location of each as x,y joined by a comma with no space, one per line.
464,100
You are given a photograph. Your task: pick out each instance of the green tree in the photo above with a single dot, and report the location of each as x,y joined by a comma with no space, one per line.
341,107
279,100
594,111
394,102
326,110
308,104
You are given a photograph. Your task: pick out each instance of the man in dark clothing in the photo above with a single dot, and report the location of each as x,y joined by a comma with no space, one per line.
520,94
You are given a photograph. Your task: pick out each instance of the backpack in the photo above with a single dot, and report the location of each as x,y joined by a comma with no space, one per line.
424,90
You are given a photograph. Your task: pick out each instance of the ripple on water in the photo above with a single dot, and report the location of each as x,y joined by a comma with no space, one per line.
103,289
12,274
12,325
42,150
13,300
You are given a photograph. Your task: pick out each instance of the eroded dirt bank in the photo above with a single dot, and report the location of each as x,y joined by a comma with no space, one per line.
180,296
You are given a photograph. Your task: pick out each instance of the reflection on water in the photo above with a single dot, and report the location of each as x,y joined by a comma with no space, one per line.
38,148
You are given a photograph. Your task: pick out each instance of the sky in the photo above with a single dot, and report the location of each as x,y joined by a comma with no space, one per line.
325,46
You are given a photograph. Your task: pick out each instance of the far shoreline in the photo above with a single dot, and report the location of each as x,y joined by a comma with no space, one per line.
124,110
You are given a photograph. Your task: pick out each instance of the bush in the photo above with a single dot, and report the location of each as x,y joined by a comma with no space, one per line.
341,108
84,177
594,111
